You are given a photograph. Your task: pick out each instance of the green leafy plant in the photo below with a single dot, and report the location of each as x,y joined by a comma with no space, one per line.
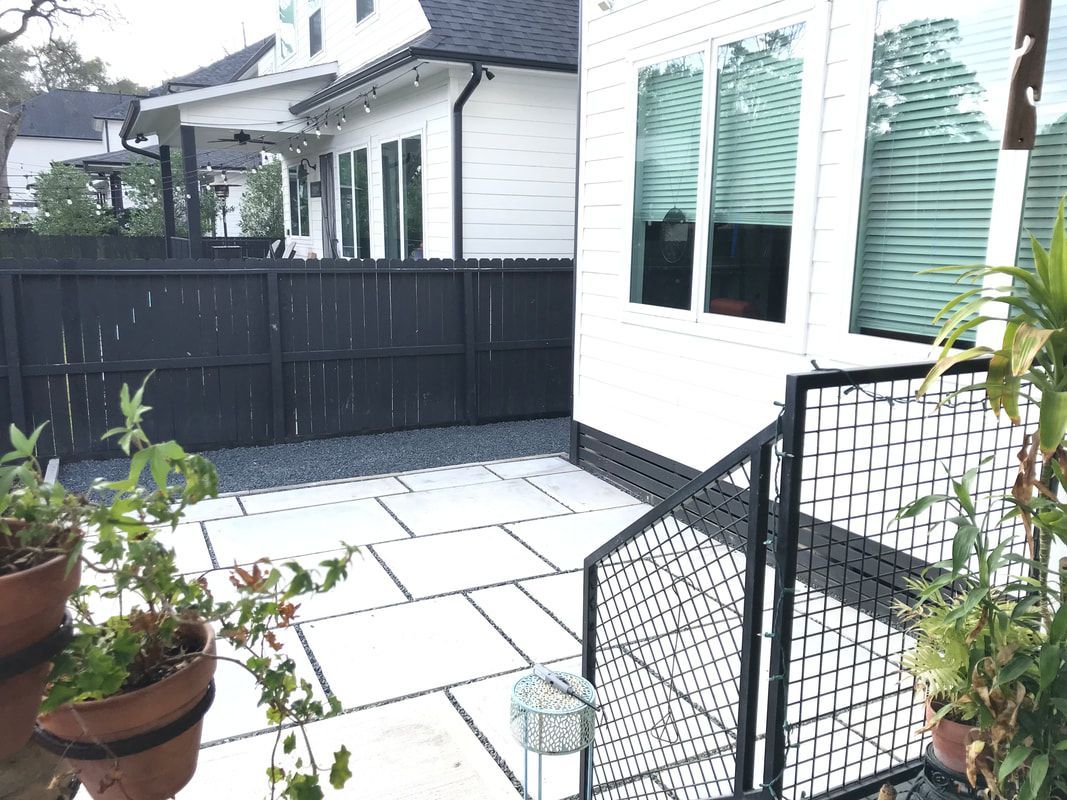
134,573
66,206
261,202
1010,681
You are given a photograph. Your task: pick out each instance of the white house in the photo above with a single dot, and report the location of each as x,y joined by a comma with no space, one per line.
408,128
760,182
55,126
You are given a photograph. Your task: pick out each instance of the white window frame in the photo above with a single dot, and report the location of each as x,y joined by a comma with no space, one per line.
295,223
365,144
1005,222
399,139
788,336
320,53
369,17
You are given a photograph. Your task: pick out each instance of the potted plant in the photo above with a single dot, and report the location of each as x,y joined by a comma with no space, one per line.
126,698
40,527
991,624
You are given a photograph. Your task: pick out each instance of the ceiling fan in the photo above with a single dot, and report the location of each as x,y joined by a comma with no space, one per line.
241,138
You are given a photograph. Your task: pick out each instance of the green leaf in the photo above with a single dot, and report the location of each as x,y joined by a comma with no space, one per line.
1015,758
945,364
1048,663
340,772
1058,630
1014,670
1028,342
1039,769
920,505
963,546
289,745
19,441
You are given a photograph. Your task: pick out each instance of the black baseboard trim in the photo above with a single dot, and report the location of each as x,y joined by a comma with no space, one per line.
644,474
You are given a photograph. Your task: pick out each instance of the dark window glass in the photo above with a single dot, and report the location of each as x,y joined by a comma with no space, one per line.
344,179
362,204
305,209
754,161
412,152
670,96
315,31
299,216
364,8
391,197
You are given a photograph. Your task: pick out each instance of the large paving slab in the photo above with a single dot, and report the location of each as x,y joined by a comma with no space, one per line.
488,701
320,495
418,749
449,562
562,595
367,586
217,508
465,507
580,491
393,652
301,531
533,631
566,541
445,478
531,466
190,550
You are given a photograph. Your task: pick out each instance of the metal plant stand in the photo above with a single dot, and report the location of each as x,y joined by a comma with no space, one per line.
938,782
548,721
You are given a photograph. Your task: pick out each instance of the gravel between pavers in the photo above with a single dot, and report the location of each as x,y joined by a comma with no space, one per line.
246,468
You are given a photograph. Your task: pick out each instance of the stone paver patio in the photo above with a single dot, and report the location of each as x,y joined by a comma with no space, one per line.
467,575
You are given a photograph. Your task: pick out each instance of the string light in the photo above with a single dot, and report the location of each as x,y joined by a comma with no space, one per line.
290,145
305,143
374,92
366,106
416,77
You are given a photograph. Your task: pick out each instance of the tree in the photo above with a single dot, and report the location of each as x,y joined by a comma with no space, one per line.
123,86
66,206
144,184
14,88
261,202
23,13
59,65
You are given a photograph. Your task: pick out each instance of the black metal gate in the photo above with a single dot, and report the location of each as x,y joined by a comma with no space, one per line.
742,635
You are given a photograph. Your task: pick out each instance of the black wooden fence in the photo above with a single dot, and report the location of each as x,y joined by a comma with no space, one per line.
27,244
255,351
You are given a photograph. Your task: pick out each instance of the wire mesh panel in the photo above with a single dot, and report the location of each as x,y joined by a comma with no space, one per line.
858,447
666,643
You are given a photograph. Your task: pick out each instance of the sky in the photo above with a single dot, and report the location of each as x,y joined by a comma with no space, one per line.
151,40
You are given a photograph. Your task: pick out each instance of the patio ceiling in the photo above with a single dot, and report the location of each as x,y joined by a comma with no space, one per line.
259,106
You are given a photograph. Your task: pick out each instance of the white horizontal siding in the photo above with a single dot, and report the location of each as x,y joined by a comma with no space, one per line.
518,165
668,385
30,156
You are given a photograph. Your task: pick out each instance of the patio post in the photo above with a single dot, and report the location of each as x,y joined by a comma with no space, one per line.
167,179
192,190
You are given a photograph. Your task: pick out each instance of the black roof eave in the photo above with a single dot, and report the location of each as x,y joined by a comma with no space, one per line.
410,54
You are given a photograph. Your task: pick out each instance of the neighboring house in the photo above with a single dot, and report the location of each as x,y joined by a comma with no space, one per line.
408,128
56,126
760,182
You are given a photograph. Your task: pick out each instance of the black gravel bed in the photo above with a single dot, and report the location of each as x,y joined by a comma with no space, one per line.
243,469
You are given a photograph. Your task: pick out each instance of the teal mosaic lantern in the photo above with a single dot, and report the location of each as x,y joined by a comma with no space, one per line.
547,720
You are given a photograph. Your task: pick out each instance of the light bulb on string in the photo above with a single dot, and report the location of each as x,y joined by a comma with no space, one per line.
366,106
305,141
70,202
416,77
374,92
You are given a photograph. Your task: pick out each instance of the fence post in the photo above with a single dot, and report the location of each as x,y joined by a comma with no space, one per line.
589,595
470,354
274,320
11,346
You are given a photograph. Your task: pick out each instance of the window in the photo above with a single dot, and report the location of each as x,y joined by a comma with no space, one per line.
364,8
299,216
286,29
666,177
314,27
355,205
402,197
932,144
757,123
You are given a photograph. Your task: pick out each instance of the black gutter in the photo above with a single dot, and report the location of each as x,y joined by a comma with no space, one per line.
430,54
457,157
573,449
124,132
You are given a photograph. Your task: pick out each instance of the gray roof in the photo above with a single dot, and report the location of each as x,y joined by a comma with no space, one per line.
518,33
543,32
226,69
225,158
67,113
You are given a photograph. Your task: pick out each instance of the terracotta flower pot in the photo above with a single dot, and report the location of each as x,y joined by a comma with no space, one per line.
160,771
950,740
32,605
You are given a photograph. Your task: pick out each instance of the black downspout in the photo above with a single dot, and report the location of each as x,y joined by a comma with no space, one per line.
457,158
163,157
573,450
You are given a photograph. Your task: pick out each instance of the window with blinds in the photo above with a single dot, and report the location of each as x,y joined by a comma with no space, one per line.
757,125
355,204
932,144
667,170
1046,181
